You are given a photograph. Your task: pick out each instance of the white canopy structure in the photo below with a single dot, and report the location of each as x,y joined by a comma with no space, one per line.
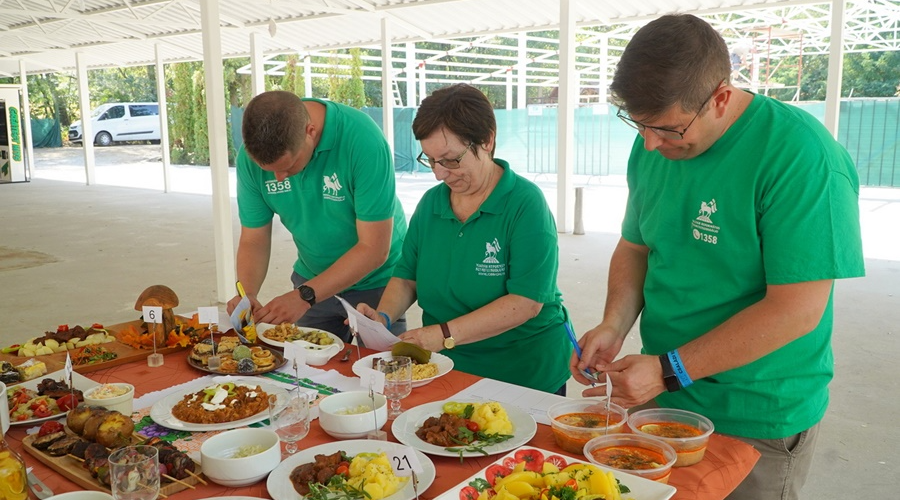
40,36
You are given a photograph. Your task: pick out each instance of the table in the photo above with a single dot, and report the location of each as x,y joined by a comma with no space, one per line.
725,465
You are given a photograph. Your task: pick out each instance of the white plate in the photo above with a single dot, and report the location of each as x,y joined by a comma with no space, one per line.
406,425
641,489
279,482
161,411
262,327
80,382
444,365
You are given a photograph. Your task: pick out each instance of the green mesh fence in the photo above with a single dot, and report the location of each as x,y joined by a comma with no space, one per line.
45,133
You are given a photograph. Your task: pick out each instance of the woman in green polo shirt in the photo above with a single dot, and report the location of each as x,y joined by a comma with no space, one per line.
480,255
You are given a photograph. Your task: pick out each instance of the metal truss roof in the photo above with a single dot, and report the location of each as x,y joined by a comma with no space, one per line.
45,35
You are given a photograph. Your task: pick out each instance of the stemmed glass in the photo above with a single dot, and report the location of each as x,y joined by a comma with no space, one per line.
397,381
290,417
134,473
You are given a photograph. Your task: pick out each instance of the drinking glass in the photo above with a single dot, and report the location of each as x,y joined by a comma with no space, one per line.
134,473
290,417
397,381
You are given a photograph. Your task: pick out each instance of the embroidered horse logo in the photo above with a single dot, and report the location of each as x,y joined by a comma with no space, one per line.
490,252
332,185
706,210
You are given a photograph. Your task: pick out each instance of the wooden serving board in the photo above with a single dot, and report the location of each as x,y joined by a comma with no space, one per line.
71,469
126,353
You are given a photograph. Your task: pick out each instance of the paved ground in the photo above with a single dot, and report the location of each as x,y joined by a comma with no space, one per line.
71,253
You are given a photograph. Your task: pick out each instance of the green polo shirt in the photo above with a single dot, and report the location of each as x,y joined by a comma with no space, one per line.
508,246
774,201
350,177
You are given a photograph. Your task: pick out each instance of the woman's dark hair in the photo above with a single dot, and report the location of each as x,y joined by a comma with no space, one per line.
463,110
678,59
274,124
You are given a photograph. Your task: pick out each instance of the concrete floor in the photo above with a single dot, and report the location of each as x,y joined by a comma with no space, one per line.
77,254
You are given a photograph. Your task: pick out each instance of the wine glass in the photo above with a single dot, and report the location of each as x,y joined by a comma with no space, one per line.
397,381
290,417
134,473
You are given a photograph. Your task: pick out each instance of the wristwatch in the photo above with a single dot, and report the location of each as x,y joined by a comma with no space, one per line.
669,377
307,294
449,342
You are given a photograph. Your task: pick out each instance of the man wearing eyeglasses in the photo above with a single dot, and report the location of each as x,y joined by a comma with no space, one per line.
741,212
326,170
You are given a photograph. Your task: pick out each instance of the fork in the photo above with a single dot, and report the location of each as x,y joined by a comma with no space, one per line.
37,487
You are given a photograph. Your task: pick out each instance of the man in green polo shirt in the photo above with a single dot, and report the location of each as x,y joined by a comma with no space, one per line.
326,170
742,211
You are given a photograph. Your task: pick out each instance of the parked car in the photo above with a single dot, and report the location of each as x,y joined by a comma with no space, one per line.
121,121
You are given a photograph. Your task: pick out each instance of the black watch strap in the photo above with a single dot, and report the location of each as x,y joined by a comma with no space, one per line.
307,294
669,377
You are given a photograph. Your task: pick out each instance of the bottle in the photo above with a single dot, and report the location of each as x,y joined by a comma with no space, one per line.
12,473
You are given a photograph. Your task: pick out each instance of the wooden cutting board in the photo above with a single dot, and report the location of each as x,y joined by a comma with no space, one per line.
125,353
70,468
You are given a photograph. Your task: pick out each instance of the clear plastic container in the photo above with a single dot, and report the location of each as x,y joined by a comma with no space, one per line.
687,432
577,421
641,456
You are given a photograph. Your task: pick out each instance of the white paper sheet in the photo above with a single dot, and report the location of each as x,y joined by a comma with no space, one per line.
372,333
535,403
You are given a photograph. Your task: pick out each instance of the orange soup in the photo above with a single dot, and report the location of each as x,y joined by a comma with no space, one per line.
671,430
588,420
629,458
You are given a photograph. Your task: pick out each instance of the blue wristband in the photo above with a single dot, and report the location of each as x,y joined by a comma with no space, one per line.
386,318
678,367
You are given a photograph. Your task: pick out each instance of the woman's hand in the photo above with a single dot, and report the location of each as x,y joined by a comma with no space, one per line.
428,337
367,311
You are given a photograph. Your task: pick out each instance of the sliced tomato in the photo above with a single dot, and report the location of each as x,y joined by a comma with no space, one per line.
20,396
342,470
493,472
556,460
472,426
62,328
534,460
50,427
468,493
67,402
97,326
42,411
509,462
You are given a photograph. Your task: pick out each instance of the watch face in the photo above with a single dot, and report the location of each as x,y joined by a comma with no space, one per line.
449,343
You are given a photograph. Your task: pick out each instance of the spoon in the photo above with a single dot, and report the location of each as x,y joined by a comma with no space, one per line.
346,355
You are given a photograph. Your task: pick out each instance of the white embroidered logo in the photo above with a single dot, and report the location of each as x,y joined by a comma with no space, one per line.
490,252
490,265
703,228
331,188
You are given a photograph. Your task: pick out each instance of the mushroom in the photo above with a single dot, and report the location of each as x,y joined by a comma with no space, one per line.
161,296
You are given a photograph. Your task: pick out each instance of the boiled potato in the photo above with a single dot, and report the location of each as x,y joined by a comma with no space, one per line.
51,343
43,350
26,352
115,430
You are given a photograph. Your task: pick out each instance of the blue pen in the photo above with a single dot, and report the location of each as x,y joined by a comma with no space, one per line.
578,350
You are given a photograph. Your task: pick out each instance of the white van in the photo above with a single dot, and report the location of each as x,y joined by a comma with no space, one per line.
121,121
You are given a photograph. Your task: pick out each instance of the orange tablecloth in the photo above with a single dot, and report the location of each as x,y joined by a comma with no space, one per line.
725,465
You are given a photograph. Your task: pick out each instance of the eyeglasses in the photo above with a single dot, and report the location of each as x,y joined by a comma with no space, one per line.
667,133
450,164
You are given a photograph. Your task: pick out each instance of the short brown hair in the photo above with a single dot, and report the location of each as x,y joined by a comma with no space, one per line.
678,59
463,110
274,124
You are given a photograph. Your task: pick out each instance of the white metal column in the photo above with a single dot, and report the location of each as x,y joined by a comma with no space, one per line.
835,68
163,118
387,78
257,67
223,235
26,120
509,90
87,129
568,95
522,90
423,89
307,75
410,74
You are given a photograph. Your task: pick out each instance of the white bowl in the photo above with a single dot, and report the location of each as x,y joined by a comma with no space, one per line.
220,468
355,426
122,403
82,495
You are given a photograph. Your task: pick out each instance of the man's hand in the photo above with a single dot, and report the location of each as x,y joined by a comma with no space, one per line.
636,379
599,347
286,308
233,303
